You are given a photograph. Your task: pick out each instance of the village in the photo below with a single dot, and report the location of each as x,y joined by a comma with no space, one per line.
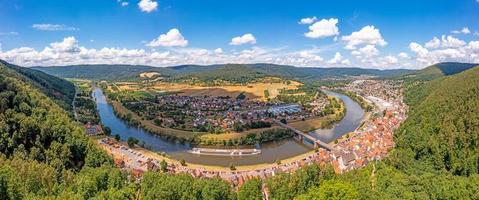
370,142
217,114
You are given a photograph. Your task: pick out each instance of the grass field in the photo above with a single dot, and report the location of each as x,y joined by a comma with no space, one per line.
252,90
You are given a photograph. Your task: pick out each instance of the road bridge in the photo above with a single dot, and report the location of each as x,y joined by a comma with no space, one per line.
306,137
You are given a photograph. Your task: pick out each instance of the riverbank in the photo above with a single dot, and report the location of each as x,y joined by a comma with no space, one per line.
134,120
248,137
271,152
112,150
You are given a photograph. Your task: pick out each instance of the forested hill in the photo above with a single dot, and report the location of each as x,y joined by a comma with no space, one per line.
234,73
131,72
436,154
440,70
41,149
442,130
62,91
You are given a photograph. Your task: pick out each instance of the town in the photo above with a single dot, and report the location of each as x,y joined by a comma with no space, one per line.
370,142
219,114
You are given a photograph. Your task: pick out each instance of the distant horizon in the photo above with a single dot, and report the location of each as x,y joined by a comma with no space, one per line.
372,35
199,65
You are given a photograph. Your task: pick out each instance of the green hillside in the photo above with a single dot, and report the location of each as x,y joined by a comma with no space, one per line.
131,72
61,90
233,73
98,72
446,114
440,70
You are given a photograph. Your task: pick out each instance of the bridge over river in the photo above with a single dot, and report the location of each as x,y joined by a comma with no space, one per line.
270,152
305,138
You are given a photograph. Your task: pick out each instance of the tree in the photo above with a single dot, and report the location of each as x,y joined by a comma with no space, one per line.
107,130
332,189
251,190
117,137
266,94
163,166
132,142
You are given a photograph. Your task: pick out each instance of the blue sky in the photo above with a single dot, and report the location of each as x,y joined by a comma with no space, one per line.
126,31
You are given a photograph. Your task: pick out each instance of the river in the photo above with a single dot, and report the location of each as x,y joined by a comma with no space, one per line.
270,152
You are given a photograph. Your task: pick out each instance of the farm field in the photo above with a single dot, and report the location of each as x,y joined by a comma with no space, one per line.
251,90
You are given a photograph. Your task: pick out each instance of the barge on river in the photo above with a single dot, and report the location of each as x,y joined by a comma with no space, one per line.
225,152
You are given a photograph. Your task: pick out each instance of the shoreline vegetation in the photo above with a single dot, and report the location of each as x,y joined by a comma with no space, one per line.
357,98
246,138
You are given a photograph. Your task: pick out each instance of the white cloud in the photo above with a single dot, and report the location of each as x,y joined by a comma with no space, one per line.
69,44
445,42
418,49
54,27
367,35
219,51
308,20
244,39
473,45
323,28
434,43
464,30
367,51
391,60
310,56
338,59
171,39
452,42
449,49
403,55
147,5
124,3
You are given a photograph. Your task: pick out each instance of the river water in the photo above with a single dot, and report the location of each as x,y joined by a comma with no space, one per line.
270,152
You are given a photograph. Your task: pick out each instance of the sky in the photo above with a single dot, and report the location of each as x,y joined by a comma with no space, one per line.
382,34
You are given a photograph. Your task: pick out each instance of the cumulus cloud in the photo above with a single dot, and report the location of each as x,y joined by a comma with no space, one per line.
464,30
310,56
403,55
391,60
124,3
451,42
434,43
171,39
323,28
445,42
147,5
367,35
308,20
338,59
244,39
54,27
219,51
448,48
69,44
367,51
68,51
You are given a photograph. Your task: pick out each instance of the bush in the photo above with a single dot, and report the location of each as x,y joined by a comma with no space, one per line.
132,142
